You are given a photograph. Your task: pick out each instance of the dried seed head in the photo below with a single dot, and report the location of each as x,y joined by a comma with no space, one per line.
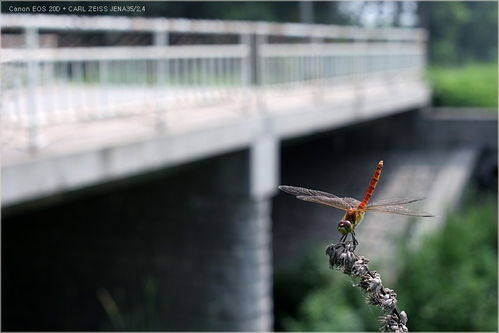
359,267
371,284
373,299
341,256
392,323
388,302
403,317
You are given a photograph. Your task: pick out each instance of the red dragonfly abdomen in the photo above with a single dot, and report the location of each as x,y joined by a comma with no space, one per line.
372,186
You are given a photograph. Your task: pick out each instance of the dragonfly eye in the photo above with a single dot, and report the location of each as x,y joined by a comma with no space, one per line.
344,226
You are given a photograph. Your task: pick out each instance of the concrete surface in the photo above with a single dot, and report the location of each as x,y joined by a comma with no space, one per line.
80,155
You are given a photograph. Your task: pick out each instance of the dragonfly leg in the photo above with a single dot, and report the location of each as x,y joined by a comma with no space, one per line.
343,238
355,242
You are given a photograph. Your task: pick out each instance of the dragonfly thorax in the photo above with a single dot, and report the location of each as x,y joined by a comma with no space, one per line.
352,216
351,219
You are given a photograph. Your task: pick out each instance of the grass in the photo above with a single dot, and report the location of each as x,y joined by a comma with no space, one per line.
472,85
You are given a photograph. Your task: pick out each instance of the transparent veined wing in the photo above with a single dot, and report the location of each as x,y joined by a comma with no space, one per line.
399,210
333,202
394,202
351,201
320,197
294,190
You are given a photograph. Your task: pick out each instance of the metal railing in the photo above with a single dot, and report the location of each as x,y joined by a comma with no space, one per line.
58,85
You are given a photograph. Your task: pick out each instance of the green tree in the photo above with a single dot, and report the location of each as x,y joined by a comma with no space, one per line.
460,31
311,297
451,283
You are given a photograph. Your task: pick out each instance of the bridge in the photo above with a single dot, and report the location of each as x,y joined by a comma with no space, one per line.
257,82
152,149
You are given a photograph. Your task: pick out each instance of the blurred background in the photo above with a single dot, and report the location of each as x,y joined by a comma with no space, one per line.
142,145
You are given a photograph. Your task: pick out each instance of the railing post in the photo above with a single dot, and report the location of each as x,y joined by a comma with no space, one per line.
103,80
358,73
390,73
246,72
32,42
317,69
161,39
423,61
260,69
253,71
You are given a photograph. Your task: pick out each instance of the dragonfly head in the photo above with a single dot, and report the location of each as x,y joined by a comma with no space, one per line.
344,227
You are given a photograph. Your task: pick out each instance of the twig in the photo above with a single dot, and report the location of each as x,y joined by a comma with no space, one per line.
342,257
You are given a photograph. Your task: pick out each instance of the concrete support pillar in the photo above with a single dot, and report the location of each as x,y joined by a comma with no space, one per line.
230,272
225,271
187,249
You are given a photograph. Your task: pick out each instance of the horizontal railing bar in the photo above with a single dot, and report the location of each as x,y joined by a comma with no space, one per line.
207,51
315,50
125,53
109,23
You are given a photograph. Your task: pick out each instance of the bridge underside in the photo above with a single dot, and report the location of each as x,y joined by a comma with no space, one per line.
86,154
187,251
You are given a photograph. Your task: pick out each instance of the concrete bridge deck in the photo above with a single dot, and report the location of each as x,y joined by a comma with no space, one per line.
81,154
82,115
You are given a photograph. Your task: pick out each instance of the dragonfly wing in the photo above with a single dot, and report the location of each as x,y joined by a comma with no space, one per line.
333,202
352,202
305,191
394,202
399,210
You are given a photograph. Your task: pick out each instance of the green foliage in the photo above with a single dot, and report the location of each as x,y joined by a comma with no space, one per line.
337,306
293,284
472,85
321,311
311,297
451,283
124,317
460,31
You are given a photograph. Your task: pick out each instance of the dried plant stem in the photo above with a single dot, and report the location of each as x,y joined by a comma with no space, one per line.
342,257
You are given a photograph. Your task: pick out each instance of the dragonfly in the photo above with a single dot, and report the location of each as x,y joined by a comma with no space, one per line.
355,209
